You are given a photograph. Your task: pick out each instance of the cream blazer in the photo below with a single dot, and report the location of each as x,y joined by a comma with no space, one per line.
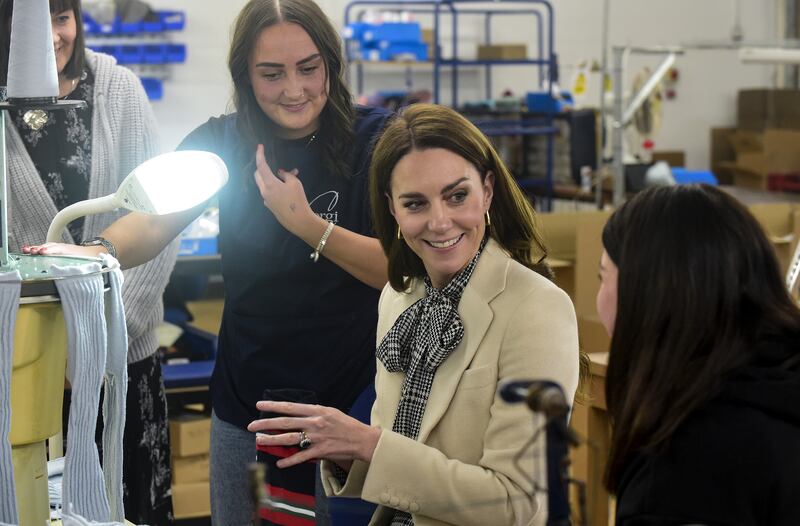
462,470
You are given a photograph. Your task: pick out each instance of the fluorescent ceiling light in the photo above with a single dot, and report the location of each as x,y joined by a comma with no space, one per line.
769,55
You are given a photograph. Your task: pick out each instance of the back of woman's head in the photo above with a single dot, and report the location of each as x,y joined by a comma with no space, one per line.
74,66
426,126
698,286
337,116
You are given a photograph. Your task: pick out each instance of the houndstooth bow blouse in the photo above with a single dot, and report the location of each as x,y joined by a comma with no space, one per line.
418,343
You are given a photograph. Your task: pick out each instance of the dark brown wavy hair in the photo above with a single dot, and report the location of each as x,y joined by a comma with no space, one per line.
74,66
698,287
336,121
425,126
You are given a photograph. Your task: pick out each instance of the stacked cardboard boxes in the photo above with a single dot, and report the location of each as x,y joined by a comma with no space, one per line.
574,248
189,435
764,144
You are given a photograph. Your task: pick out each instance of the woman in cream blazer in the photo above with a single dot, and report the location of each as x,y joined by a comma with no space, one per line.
469,459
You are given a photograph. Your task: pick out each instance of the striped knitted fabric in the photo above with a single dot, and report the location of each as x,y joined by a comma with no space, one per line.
291,490
9,303
116,389
82,302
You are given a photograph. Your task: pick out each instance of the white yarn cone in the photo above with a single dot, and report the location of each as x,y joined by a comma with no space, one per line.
32,69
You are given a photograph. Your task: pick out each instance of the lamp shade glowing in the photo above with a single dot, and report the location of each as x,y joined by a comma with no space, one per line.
169,183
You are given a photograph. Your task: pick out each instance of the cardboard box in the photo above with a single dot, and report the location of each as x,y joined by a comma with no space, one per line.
559,230
427,37
588,249
759,109
781,223
189,434
206,314
722,152
502,52
191,500
760,154
592,335
190,469
674,158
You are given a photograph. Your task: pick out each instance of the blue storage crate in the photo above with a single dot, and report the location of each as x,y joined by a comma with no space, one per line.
684,176
543,102
396,51
153,87
130,54
355,31
172,20
93,27
108,50
154,53
176,53
153,26
194,246
130,28
394,32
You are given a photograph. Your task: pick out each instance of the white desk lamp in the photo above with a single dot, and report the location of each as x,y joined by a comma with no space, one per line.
169,183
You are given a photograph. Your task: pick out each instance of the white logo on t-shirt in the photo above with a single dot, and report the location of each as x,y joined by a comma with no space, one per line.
329,213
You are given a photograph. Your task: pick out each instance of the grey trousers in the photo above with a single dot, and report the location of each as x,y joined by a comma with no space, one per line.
232,450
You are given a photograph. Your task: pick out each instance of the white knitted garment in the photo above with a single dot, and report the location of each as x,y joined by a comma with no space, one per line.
9,303
81,292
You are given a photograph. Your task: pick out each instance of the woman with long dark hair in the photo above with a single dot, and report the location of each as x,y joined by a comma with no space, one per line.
468,305
703,383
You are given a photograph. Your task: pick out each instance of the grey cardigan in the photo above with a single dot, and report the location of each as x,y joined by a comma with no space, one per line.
124,134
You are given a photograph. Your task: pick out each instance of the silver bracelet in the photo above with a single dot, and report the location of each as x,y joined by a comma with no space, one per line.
321,245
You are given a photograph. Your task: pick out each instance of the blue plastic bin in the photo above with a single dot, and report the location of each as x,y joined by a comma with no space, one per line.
173,20
153,87
194,246
396,51
355,31
130,54
543,102
176,53
393,32
93,27
684,176
154,53
130,28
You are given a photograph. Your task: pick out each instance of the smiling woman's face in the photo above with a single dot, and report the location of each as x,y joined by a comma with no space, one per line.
287,73
439,202
65,31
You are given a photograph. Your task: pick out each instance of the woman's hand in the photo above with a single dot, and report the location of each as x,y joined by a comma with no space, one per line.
285,197
333,435
63,249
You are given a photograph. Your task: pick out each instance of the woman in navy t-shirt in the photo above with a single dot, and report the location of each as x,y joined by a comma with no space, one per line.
301,268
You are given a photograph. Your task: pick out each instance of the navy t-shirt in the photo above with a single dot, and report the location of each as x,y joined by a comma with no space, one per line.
289,322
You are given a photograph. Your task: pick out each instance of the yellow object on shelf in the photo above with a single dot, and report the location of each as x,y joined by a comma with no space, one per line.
37,385
37,394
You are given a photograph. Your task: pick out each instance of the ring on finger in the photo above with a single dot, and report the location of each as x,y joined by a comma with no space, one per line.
305,442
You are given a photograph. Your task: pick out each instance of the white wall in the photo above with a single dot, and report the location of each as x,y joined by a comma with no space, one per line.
201,87
706,91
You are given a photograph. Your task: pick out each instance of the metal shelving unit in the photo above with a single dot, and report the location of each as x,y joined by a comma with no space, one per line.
543,65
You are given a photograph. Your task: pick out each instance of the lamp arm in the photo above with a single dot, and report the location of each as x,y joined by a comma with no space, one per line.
648,87
79,209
